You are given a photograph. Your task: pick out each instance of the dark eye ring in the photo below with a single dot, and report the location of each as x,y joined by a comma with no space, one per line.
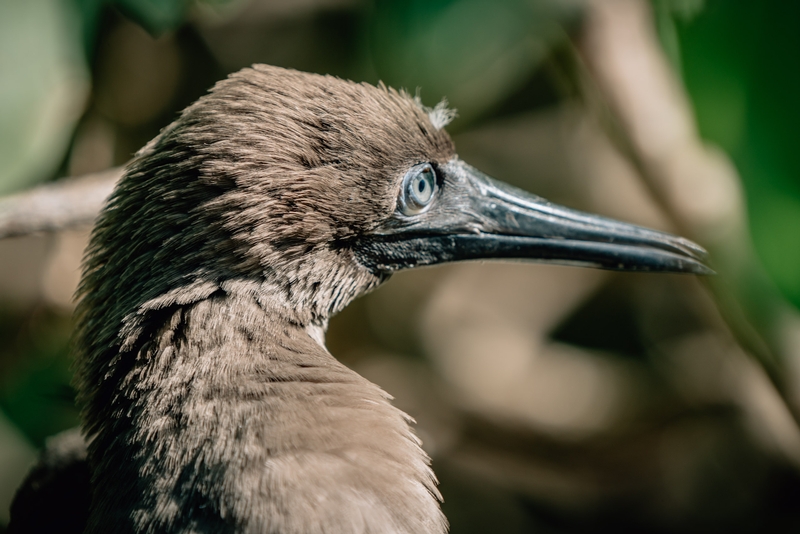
419,189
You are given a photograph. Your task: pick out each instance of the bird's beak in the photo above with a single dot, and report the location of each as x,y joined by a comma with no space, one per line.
476,217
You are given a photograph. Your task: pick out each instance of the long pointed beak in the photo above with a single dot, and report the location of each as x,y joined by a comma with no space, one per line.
477,217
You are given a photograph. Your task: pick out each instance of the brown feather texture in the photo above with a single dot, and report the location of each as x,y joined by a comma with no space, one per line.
208,400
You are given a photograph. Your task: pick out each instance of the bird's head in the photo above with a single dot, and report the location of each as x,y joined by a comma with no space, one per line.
314,189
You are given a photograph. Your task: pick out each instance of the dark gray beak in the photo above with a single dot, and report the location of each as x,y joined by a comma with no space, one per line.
476,217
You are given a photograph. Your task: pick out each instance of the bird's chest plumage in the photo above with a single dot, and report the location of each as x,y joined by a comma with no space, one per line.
238,422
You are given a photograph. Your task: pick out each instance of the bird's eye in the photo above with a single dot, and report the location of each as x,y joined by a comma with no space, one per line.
419,188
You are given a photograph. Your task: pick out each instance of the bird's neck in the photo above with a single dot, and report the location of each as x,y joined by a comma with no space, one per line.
231,415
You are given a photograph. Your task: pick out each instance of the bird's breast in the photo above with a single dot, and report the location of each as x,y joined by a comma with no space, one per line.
242,422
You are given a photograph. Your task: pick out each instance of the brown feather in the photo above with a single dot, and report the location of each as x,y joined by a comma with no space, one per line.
210,407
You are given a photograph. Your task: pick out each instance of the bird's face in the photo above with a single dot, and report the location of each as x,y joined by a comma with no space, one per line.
325,187
452,211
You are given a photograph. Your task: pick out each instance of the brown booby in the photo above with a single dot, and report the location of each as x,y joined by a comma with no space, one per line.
209,401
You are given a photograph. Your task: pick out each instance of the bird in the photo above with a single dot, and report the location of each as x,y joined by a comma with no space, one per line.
209,401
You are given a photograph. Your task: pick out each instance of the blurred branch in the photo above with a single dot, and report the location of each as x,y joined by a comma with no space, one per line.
695,184
56,206
632,87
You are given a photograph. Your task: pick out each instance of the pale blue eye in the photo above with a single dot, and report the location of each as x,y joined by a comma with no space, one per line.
419,188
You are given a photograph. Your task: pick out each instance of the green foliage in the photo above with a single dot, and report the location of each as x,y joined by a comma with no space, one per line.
35,373
156,16
44,78
740,66
43,87
474,52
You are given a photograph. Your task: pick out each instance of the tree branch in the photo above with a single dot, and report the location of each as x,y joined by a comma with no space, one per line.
57,206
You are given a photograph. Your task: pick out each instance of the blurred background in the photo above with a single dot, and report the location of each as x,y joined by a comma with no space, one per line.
552,399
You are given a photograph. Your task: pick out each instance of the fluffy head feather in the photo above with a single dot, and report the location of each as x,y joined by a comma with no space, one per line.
249,201
262,183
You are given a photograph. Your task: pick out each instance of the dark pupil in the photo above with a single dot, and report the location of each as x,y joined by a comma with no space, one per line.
422,185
